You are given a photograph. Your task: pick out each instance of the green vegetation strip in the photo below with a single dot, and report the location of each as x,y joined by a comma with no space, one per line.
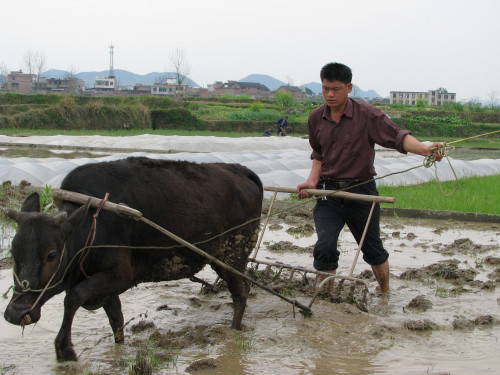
474,194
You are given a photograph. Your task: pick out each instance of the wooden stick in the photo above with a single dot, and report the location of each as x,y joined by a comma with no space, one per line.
340,194
94,202
81,198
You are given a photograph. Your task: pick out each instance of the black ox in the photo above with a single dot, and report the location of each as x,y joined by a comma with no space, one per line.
197,202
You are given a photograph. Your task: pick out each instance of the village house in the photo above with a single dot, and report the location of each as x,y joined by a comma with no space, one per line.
19,82
431,97
254,90
169,88
296,92
59,85
105,84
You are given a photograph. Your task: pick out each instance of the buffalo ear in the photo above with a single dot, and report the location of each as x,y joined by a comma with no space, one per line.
13,214
74,220
32,203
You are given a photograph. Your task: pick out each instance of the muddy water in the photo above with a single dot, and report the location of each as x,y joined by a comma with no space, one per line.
338,339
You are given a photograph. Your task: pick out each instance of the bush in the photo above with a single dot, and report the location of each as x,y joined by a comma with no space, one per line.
284,98
248,115
175,118
256,106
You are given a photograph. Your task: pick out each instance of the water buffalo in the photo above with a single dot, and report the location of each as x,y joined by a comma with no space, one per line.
200,203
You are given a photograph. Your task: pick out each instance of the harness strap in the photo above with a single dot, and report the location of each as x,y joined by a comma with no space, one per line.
93,230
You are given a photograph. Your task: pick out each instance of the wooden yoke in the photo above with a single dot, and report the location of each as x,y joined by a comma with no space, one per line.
71,196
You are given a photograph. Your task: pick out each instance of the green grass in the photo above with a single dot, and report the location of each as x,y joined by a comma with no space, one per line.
474,194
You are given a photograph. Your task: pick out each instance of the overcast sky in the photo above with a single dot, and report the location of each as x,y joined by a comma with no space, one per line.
407,45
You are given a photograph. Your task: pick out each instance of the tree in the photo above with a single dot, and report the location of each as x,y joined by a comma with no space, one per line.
493,98
4,71
284,98
180,68
355,91
35,63
442,90
71,75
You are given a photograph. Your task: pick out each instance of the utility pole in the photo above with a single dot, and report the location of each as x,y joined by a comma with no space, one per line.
111,72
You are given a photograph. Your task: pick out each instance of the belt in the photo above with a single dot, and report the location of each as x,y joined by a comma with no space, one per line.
337,184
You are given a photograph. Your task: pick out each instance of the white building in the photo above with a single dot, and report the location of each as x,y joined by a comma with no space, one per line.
105,84
431,97
169,88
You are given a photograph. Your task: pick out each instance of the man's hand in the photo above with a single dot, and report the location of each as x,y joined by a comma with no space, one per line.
305,185
435,150
411,144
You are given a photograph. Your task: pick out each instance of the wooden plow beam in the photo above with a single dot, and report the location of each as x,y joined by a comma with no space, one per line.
71,196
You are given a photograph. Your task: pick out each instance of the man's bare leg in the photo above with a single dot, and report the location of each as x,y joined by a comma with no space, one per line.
381,273
331,282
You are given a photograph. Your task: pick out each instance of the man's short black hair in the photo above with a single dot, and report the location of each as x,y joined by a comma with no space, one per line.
336,72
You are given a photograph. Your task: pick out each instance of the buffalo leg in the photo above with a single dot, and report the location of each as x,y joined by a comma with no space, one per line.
63,344
97,287
113,309
239,289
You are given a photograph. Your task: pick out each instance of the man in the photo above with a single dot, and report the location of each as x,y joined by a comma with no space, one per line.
267,133
281,124
342,134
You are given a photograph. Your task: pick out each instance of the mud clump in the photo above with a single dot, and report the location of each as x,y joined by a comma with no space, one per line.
198,335
482,320
202,364
305,230
492,261
466,246
142,326
6,263
420,304
287,246
420,325
447,270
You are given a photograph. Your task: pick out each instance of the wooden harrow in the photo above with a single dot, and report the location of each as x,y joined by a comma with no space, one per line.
305,271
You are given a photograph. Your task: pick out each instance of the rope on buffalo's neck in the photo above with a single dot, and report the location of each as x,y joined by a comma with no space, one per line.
92,232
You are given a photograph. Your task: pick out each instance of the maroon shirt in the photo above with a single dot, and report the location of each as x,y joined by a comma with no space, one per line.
346,149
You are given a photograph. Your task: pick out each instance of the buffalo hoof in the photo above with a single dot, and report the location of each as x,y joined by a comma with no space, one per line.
66,355
119,337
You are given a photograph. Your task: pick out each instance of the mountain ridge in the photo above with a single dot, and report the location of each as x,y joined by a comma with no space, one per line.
273,84
126,78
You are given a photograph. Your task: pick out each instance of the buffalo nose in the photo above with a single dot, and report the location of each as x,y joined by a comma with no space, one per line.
17,316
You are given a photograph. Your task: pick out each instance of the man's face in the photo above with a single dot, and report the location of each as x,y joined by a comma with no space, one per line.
335,93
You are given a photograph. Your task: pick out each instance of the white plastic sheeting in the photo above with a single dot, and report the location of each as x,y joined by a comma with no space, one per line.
278,161
164,143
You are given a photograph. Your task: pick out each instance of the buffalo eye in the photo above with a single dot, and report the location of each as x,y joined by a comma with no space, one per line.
51,257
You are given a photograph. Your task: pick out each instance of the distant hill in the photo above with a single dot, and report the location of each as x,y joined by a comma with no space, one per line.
268,81
123,77
274,84
356,91
127,78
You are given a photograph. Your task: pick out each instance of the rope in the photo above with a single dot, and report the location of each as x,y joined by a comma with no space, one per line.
430,160
93,230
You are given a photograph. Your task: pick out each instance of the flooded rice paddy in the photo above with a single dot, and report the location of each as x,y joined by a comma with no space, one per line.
441,316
